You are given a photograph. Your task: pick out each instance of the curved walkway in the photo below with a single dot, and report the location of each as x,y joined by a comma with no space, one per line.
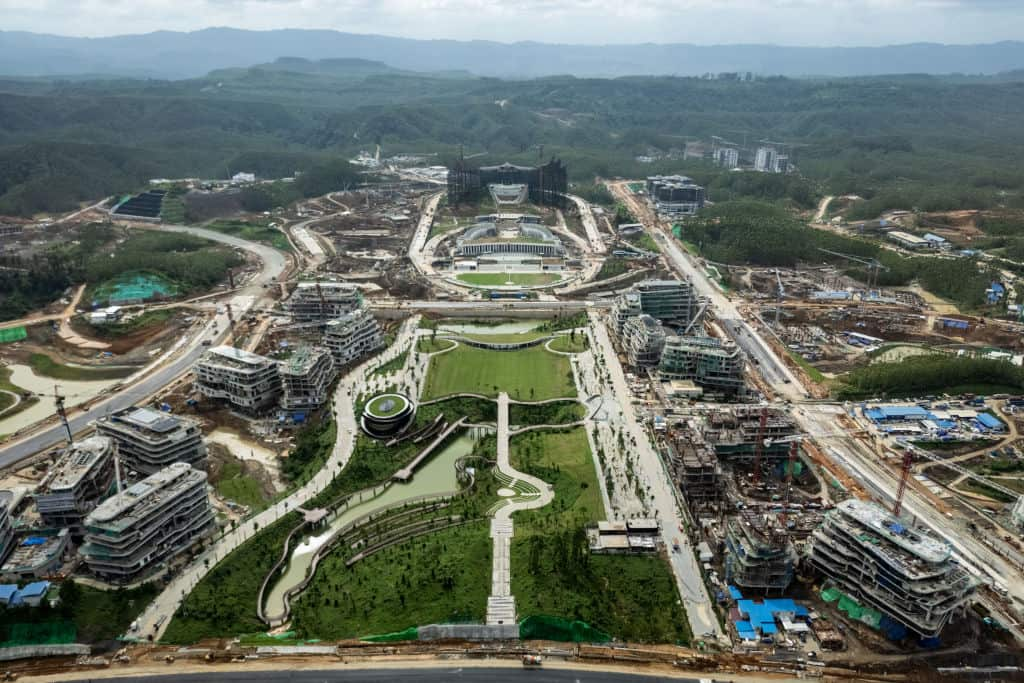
17,400
157,616
501,605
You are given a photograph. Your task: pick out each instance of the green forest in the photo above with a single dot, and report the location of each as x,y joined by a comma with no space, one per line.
931,374
188,263
899,142
760,234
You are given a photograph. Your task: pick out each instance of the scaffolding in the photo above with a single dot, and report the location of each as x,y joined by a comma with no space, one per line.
760,557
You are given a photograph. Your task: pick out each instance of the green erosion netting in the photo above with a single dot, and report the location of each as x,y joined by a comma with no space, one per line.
12,335
136,286
556,628
411,633
43,633
831,594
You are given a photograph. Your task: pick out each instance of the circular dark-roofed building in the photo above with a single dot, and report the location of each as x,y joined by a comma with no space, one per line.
385,415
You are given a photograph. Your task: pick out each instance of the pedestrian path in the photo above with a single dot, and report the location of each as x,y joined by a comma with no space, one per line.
501,605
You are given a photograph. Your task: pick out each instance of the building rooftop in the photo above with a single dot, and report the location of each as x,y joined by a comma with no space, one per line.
302,360
890,528
134,502
329,287
75,463
235,358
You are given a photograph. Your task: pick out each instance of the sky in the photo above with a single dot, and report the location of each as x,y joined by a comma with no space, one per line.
705,22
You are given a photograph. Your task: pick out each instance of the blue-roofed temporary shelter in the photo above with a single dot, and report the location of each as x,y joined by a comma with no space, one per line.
7,591
35,590
734,593
34,540
990,421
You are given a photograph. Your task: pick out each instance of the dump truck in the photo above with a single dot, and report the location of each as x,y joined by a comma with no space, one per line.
532,660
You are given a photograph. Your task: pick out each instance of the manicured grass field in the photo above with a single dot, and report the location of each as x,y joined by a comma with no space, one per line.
509,338
553,571
499,279
47,367
531,374
393,365
7,401
566,344
428,345
385,406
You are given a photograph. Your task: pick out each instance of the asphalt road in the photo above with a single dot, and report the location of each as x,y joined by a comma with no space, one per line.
413,675
273,265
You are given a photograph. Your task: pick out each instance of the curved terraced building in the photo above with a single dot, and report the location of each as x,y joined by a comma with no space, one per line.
385,415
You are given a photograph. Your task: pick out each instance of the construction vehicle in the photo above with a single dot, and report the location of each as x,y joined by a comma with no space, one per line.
532,660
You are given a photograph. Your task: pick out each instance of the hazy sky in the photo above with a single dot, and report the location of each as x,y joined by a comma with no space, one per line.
791,22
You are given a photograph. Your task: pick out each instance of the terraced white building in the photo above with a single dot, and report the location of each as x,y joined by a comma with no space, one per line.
148,440
150,522
74,485
869,554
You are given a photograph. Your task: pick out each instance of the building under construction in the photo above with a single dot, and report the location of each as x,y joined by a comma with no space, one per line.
760,557
736,432
545,185
870,555
712,364
306,378
695,467
76,483
322,301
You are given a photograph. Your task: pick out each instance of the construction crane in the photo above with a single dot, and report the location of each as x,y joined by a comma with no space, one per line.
794,443
781,293
897,505
873,264
59,400
759,446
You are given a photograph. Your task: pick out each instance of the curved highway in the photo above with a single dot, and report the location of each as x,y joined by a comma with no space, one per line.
273,264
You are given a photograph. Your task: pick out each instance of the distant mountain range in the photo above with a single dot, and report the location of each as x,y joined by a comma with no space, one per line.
174,55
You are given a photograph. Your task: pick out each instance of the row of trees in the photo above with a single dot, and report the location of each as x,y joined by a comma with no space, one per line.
929,374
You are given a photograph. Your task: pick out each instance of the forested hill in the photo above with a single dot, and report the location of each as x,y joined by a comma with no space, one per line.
170,54
901,142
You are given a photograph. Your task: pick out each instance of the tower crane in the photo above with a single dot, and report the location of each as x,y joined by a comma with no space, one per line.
873,264
794,441
781,293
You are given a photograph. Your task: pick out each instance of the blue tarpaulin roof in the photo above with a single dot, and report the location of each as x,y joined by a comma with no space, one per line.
35,589
7,591
734,593
989,421
34,540
897,413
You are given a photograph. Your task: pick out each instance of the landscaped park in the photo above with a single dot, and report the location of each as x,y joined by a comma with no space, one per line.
394,554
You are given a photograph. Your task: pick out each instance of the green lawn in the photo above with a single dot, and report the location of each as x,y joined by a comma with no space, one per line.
500,279
812,372
428,345
252,232
385,406
393,365
553,572
531,374
104,615
509,338
236,486
566,344
142,321
47,367
5,383
443,576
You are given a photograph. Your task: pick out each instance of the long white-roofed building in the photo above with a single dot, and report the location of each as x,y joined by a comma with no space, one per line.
150,522
149,440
